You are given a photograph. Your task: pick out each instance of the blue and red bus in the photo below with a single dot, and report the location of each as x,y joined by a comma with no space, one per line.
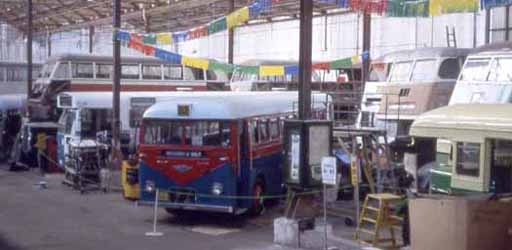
204,153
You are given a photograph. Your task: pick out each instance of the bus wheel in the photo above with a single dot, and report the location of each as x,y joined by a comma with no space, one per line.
258,191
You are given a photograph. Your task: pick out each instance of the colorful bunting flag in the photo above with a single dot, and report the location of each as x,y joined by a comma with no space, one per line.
407,8
223,67
198,32
237,17
217,25
439,7
485,4
324,65
149,39
180,36
164,38
369,6
194,62
341,63
271,70
122,35
252,70
168,56
291,69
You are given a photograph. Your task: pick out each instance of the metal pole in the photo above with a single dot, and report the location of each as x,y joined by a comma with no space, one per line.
487,26
367,37
116,84
305,52
91,39
29,49
231,34
325,217
155,216
49,44
474,28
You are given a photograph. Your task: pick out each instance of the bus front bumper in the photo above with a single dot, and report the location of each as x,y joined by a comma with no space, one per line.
189,206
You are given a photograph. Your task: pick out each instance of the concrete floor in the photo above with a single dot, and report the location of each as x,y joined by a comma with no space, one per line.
59,218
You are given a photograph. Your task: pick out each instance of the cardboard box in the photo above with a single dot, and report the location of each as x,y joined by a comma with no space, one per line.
460,223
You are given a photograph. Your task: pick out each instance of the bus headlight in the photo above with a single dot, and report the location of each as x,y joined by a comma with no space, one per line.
149,186
217,188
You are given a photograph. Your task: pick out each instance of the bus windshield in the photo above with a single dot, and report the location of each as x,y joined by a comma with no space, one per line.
501,70
476,69
400,71
192,133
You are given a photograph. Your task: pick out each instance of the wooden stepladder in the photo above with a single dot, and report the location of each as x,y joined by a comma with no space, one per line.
376,215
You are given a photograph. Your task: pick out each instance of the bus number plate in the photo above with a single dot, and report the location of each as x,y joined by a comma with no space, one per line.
185,154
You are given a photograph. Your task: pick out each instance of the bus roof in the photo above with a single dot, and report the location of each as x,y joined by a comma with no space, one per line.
103,58
493,49
8,63
233,106
469,122
422,53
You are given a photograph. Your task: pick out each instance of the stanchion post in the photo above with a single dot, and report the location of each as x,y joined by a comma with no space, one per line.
155,215
325,217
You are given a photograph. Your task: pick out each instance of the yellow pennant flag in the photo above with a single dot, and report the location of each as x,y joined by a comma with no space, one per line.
164,38
195,62
439,7
266,70
237,17
355,59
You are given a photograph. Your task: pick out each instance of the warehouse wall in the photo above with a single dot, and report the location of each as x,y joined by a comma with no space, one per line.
333,37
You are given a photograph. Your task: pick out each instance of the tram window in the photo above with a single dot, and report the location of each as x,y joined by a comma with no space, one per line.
193,74
162,133
468,159
475,70
82,70
274,129
103,71
424,70
173,72
253,128
400,71
203,133
2,74
500,70
263,131
151,72
130,71
449,69
62,71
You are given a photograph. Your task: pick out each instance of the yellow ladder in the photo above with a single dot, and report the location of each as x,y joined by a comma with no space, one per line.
375,216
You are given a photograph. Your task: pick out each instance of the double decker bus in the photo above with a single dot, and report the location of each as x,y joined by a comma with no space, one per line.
79,73
202,152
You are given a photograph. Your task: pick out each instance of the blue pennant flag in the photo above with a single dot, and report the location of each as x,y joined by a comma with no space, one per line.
123,35
291,69
168,56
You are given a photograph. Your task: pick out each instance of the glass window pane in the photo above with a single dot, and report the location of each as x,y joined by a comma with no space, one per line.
103,71
498,18
192,74
468,159
62,71
475,70
400,71
424,70
173,72
449,69
497,36
263,131
130,71
82,70
501,70
151,72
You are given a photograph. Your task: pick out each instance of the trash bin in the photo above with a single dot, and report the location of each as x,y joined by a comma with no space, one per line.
130,180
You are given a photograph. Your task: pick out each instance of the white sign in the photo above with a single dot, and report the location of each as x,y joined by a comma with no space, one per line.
329,170
295,154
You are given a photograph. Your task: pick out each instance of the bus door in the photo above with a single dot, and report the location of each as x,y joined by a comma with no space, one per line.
501,166
69,127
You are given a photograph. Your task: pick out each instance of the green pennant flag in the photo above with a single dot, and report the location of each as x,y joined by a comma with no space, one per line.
408,8
218,66
149,39
341,63
253,70
217,25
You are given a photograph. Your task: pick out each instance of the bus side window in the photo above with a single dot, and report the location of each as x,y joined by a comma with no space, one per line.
103,71
263,130
274,129
82,70
192,74
173,72
253,129
151,72
130,71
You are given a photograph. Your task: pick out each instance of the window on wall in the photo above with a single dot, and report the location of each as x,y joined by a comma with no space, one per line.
500,24
468,159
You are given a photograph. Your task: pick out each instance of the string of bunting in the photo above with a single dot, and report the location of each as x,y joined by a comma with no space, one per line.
136,42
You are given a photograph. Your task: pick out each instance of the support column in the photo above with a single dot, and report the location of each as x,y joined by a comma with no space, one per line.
305,52
49,44
487,26
231,35
91,39
116,85
29,49
367,38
